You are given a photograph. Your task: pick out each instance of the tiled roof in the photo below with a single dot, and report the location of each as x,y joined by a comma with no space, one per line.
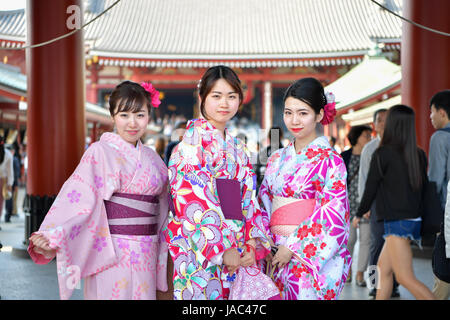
231,29
11,78
365,115
371,77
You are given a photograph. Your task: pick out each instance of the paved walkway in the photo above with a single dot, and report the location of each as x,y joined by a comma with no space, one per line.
21,279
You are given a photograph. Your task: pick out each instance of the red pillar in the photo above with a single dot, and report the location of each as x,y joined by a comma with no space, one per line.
56,99
425,60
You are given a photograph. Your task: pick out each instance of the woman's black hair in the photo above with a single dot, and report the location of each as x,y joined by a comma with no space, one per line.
356,132
129,96
400,132
209,79
308,90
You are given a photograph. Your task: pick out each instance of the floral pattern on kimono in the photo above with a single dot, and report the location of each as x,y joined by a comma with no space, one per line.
321,261
113,266
198,233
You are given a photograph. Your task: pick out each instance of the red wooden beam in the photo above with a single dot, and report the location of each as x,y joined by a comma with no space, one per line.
12,95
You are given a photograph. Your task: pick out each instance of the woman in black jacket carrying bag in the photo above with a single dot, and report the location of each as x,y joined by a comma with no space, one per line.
395,181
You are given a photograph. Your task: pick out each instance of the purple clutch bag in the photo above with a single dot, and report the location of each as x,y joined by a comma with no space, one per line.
229,192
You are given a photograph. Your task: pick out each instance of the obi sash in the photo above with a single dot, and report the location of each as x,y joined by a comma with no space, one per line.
132,214
230,198
289,213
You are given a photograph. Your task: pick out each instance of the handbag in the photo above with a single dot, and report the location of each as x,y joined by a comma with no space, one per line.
432,212
439,261
252,284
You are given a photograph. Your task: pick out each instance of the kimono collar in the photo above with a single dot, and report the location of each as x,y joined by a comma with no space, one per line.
117,142
204,126
318,143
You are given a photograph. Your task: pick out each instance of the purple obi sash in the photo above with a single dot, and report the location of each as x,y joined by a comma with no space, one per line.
229,192
132,214
230,198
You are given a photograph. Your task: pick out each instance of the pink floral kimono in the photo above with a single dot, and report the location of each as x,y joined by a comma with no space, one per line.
105,223
304,202
201,227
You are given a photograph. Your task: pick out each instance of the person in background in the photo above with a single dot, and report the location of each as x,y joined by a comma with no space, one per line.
275,137
160,146
334,145
395,182
11,203
439,162
178,133
358,137
376,227
6,174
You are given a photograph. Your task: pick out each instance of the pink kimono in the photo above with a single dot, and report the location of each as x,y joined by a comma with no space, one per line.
105,223
304,203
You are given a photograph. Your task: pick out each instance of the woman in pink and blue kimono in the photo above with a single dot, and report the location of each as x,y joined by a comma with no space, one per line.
215,225
105,223
304,202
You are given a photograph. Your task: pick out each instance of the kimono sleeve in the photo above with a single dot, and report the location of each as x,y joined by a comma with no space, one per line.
320,241
265,196
76,224
254,220
197,206
161,272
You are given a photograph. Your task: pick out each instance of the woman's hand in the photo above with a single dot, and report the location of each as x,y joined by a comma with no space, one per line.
367,215
282,257
41,246
355,222
232,260
249,257
269,258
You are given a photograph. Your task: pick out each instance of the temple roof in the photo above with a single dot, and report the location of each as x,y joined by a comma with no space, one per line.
256,30
374,76
365,115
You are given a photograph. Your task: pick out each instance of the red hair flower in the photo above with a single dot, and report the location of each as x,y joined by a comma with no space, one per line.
154,94
329,111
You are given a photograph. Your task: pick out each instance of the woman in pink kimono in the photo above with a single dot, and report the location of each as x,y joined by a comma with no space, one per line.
304,201
214,219
105,223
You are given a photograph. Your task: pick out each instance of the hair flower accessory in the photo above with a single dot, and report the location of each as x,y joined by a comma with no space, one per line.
154,94
329,109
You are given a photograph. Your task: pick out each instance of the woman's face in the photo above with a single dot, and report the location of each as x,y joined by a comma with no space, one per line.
221,103
131,126
364,138
300,119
